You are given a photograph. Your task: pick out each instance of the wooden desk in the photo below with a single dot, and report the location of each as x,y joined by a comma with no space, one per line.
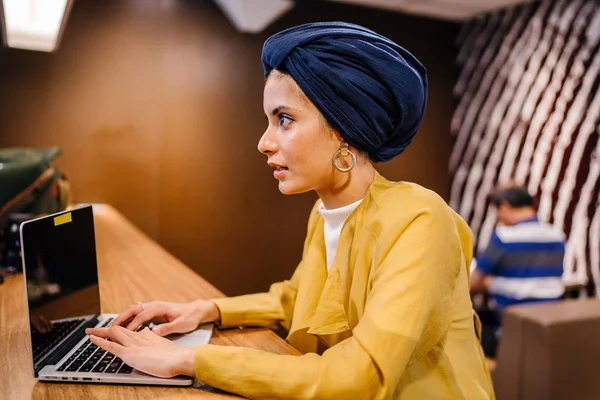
131,268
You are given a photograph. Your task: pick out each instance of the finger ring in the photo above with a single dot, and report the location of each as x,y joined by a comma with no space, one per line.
142,305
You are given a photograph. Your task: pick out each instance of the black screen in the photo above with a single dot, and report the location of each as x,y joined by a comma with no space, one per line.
61,271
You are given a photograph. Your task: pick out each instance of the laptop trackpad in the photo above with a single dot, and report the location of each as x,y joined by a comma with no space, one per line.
198,337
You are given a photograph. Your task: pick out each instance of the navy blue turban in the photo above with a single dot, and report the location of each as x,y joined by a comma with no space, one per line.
371,90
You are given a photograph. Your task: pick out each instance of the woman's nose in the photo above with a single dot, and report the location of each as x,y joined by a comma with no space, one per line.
267,143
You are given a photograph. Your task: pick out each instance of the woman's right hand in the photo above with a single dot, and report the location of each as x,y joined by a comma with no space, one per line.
171,317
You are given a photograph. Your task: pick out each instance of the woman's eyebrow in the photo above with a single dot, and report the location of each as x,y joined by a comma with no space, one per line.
280,108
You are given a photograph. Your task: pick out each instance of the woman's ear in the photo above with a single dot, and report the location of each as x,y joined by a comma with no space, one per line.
362,156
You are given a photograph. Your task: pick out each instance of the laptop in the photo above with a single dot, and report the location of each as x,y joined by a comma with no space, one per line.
61,286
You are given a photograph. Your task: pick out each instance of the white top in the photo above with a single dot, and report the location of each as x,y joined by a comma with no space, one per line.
334,220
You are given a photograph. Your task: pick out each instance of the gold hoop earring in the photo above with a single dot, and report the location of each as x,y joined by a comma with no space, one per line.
343,152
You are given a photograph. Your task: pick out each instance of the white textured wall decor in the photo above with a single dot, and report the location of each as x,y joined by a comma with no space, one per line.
529,111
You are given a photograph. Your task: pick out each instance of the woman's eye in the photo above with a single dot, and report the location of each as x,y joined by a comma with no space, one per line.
284,120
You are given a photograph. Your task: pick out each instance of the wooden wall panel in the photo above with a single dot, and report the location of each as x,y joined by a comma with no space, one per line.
157,105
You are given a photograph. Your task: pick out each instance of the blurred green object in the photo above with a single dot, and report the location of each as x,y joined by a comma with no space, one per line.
19,168
30,183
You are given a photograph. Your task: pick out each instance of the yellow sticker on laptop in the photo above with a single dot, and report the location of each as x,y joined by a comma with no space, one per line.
62,219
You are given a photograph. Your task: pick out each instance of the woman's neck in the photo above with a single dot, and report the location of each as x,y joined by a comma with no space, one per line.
347,188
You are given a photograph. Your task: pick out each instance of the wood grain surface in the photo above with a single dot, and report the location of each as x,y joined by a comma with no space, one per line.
131,268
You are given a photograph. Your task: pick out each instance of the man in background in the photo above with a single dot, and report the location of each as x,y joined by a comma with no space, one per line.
523,262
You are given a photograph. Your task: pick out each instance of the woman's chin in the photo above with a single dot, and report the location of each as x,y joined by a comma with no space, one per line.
288,187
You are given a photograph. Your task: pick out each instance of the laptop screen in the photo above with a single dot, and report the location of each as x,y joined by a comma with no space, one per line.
59,254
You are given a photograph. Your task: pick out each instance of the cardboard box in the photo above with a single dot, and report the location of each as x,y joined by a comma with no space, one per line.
549,351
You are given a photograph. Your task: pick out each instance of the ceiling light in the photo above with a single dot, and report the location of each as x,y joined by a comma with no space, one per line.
254,16
33,24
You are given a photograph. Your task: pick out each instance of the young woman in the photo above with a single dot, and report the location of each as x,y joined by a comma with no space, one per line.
379,305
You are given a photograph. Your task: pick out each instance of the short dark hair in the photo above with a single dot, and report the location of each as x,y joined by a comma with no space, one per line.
515,196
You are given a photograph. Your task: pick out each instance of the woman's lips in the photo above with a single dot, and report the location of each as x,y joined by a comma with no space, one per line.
280,172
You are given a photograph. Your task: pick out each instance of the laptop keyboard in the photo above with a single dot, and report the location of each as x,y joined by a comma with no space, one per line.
44,342
91,358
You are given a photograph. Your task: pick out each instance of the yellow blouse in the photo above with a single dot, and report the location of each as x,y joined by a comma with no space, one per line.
392,320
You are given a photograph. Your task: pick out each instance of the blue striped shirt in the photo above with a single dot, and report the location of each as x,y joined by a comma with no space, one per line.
526,261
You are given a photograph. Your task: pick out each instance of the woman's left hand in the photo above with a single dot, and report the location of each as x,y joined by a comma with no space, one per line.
145,351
